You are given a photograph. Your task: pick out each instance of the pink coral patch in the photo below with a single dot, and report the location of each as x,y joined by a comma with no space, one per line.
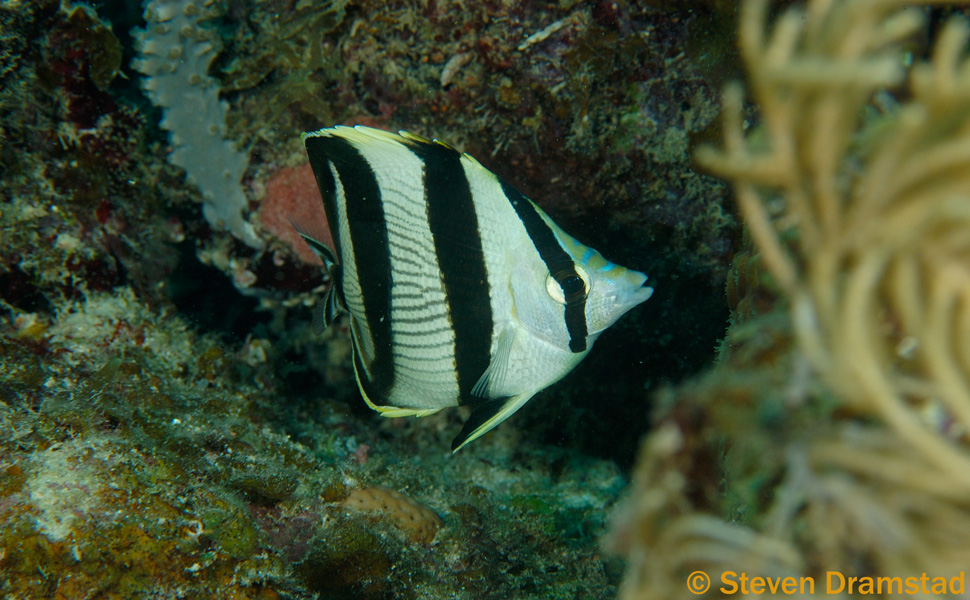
292,195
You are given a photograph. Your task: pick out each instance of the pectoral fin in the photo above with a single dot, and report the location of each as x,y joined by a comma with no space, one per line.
486,416
497,372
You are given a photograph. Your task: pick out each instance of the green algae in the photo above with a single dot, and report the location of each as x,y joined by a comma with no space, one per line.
98,41
230,531
264,485
353,563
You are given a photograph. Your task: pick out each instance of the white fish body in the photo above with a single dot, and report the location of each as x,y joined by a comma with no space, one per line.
460,290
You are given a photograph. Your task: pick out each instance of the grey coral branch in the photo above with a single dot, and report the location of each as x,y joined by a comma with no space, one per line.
175,54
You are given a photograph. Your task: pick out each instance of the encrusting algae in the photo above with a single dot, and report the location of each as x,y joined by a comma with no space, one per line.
158,473
832,436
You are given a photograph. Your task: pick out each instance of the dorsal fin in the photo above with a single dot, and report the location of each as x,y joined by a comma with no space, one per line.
318,247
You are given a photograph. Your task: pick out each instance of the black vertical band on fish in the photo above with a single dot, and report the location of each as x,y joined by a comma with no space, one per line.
316,148
461,258
368,237
560,265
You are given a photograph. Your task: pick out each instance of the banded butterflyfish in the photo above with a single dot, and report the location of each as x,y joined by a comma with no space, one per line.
460,290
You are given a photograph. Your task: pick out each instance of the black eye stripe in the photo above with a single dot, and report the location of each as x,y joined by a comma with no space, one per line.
557,261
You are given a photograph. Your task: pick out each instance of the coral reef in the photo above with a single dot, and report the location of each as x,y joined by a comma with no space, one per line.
142,458
589,107
79,206
833,433
170,425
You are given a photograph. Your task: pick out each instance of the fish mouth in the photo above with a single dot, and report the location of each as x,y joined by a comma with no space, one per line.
639,291
641,294
627,299
636,293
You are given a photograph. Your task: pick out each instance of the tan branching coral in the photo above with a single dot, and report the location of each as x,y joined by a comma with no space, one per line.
878,273
879,278
858,202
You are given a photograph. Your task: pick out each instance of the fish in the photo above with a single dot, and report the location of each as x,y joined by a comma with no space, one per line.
460,290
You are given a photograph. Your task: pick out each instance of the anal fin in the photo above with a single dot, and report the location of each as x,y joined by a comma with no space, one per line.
394,411
365,385
486,416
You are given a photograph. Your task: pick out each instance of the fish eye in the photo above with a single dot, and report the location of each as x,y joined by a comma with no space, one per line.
569,286
572,285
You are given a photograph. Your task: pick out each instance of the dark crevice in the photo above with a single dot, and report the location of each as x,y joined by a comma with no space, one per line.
208,300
